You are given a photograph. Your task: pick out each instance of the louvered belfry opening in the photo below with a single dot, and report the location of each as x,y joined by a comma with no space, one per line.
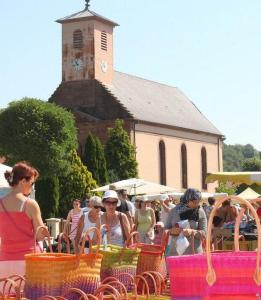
104,40
77,39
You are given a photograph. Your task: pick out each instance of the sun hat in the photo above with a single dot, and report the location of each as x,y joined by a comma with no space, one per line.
164,197
144,199
111,194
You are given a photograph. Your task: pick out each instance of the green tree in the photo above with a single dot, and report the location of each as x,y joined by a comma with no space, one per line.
76,184
251,164
102,166
47,195
234,156
94,159
120,153
249,151
226,188
39,132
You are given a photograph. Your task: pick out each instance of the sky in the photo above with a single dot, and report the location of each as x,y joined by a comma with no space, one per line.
210,49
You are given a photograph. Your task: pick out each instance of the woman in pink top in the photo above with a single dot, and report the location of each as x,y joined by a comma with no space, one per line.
20,217
74,216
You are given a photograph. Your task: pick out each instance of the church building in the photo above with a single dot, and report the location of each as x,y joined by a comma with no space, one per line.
175,143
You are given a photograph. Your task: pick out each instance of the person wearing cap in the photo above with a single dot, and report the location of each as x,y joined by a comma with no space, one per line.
88,220
190,210
117,222
145,221
166,207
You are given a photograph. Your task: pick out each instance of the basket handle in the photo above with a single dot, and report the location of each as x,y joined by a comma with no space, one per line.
237,227
164,241
122,288
47,298
86,237
12,284
132,234
137,280
109,279
76,291
211,275
46,233
152,278
161,281
108,289
66,237
92,297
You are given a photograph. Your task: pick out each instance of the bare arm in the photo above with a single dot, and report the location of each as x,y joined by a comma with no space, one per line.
79,233
153,219
126,226
35,214
136,219
165,207
68,219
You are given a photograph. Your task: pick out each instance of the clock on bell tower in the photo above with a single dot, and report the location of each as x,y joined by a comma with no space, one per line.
87,46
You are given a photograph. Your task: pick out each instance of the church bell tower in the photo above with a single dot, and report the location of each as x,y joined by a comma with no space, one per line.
87,46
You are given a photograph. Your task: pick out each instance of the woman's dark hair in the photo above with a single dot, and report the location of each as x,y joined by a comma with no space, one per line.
140,203
20,171
226,203
211,200
76,200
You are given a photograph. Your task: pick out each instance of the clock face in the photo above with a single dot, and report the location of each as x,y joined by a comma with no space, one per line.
104,66
77,64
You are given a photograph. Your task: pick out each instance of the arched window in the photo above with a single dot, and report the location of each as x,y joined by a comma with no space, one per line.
204,167
162,158
184,166
77,39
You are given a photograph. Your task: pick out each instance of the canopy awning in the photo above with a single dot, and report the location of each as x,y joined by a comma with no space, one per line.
235,177
136,186
249,194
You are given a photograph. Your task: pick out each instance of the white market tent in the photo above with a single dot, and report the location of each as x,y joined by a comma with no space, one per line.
249,194
177,195
137,186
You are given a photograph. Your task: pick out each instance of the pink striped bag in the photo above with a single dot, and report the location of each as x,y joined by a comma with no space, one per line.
220,274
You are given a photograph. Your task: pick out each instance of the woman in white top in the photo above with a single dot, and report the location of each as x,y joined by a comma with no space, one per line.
116,222
88,220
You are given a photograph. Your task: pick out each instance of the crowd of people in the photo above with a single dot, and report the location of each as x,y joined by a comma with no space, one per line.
114,211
